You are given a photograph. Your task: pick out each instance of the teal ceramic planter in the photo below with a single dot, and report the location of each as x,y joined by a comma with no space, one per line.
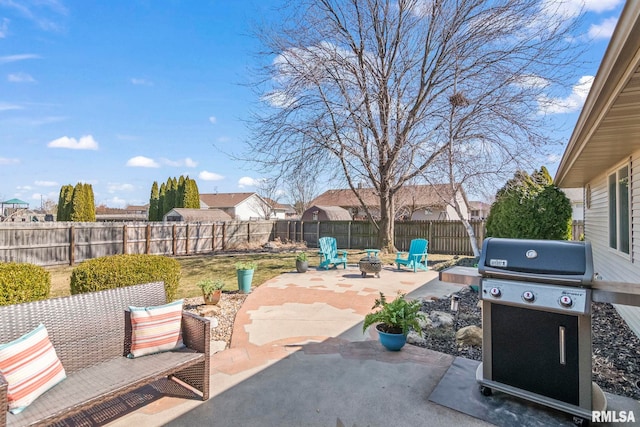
392,342
244,280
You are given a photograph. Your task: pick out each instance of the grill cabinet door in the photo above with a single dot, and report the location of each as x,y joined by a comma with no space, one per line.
526,351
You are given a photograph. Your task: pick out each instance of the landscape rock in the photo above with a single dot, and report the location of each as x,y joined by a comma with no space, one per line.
469,335
415,339
440,318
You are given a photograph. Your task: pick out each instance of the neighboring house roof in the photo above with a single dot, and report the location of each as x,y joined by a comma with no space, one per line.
480,206
144,208
224,200
416,195
275,205
327,213
15,202
610,114
199,214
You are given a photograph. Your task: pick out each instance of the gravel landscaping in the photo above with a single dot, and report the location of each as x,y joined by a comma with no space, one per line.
616,349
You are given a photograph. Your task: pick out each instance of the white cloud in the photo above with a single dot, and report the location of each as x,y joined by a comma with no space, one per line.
141,82
247,181
531,81
600,6
142,162
210,176
571,103
223,139
213,120
572,8
188,162
119,188
86,142
24,188
279,99
46,183
20,78
604,30
14,58
4,28
6,107
116,202
8,161
553,158
42,13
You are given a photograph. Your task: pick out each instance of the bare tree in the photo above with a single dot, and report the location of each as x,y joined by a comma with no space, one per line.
366,88
302,188
268,196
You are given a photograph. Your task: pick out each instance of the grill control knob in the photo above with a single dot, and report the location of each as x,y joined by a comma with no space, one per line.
528,296
566,301
495,292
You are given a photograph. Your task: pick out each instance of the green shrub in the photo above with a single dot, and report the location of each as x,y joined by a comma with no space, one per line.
530,207
126,270
21,282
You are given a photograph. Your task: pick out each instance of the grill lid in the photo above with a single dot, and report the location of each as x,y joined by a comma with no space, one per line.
550,261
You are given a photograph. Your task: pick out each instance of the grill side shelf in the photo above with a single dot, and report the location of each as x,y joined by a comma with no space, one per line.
616,292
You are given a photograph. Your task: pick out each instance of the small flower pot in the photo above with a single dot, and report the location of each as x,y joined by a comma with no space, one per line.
392,342
244,280
302,266
212,298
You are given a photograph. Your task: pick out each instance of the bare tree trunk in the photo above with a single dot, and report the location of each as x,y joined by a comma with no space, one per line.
386,224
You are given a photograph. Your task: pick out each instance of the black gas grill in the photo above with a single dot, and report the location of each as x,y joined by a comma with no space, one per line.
536,318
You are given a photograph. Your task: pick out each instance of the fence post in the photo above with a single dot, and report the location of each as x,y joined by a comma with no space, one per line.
249,232
301,231
318,230
124,239
173,238
349,235
213,237
224,234
72,245
186,243
147,243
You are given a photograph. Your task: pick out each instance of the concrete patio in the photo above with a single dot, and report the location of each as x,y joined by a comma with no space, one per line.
298,357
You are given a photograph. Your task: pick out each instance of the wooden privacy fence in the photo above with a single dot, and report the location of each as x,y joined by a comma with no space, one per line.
72,242
445,237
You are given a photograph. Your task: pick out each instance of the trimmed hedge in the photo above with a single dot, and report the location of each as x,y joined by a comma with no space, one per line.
22,282
117,271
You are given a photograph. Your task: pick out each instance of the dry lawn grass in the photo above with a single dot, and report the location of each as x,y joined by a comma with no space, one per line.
270,264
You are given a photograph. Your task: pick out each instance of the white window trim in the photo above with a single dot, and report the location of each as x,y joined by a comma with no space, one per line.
614,170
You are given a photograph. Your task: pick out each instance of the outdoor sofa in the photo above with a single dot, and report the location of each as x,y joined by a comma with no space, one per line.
91,334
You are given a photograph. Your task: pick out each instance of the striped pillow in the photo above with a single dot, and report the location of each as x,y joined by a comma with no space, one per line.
31,366
156,329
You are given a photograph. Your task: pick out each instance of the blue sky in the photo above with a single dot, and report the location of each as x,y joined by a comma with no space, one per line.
122,93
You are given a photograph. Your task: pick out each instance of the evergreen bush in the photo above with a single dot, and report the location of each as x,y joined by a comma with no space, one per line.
22,282
126,270
530,207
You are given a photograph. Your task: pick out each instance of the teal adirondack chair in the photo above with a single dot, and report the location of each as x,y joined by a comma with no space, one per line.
329,253
416,257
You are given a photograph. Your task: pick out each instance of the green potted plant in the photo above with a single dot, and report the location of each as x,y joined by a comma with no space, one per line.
395,319
244,271
211,290
302,262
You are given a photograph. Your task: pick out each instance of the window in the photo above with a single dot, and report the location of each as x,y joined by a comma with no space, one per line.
618,189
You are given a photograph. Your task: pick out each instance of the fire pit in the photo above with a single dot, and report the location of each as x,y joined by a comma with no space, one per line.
370,264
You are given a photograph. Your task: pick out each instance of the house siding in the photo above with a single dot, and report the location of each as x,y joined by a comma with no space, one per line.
608,263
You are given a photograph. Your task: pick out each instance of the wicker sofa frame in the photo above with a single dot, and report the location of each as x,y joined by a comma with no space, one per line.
91,335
